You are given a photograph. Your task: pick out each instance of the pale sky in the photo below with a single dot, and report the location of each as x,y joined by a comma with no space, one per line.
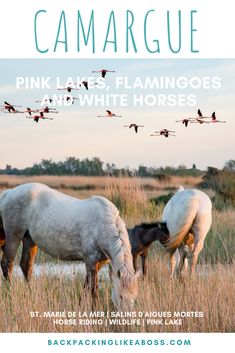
76,130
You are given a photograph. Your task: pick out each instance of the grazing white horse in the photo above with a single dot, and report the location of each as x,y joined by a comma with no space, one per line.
188,215
67,228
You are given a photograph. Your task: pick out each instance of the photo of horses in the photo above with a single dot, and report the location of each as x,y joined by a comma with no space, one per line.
117,196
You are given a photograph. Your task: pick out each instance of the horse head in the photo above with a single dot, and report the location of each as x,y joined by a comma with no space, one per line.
125,289
164,236
163,227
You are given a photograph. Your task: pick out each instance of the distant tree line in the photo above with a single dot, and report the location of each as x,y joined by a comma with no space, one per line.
70,166
96,167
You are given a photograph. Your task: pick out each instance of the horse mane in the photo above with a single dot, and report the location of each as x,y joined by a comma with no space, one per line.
121,257
147,225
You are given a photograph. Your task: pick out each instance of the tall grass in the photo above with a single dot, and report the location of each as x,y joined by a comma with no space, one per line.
220,242
209,292
7,181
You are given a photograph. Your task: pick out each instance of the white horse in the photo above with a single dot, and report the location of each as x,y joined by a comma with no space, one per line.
188,215
66,228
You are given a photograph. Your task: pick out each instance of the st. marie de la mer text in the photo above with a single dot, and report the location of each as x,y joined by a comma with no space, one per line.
169,38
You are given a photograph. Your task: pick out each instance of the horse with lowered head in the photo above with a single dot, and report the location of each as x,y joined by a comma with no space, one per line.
67,228
142,236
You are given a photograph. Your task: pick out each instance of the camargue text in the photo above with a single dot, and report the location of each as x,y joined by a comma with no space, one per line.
120,31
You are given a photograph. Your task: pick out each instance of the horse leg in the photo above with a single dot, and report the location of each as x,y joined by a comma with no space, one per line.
135,262
183,259
185,266
27,258
172,263
91,281
196,251
200,228
94,284
11,246
143,260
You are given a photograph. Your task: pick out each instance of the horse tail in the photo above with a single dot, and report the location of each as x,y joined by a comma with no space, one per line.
185,225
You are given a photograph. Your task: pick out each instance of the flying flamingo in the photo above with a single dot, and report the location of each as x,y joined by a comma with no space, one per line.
164,132
214,119
103,72
68,89
28,110
47,110
44,110
85,84
199,121
82,83
109,115
10,107
37,117
50,100
201,116
135,126
69,98
185,121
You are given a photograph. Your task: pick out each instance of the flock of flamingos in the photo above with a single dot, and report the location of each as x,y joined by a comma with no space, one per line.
40,112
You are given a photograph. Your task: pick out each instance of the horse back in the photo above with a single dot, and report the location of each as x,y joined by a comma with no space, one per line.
186,209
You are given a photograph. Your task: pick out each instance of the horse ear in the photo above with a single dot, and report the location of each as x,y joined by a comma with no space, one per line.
162,225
